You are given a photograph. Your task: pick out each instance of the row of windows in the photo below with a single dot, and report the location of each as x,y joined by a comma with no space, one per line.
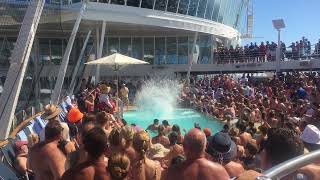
224,11
159,50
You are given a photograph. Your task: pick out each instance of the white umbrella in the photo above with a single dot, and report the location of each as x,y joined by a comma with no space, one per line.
116,60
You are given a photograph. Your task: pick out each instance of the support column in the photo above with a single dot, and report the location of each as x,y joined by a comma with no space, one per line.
55,97
99,49
18,66
37,74
76,68
278,54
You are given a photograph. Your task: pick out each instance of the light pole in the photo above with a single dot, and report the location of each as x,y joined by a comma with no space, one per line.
278,24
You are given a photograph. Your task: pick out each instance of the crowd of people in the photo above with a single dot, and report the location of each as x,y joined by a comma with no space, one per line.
266,123
265,52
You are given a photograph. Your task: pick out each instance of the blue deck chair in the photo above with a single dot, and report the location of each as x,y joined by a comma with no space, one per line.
22,136
29,129
6,173
38,125
8,153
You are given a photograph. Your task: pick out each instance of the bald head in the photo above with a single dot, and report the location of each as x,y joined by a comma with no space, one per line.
194,143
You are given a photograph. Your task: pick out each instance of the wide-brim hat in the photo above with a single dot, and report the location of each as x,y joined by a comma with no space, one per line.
311,135
158,151
104,89
50,111
221,147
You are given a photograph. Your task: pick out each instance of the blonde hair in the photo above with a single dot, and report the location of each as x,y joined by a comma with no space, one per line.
118,166
33,139
141,143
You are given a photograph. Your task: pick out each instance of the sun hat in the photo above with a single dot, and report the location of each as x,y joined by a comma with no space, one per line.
311,135
158,151
127,132
74,115
222,148
50,111
104,89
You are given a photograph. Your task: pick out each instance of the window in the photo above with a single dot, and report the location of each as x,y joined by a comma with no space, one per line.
201,8
172,50
183,6
121,2
125,46
193,7
148,50
209,10
113,45
172,5
147,4
160,50
134,3
205,49
56,51
216,10
183,50
160,5
137,48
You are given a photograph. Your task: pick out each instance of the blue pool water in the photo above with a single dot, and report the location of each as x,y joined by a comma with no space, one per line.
185,118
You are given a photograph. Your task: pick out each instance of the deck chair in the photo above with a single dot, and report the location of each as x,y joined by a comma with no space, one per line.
22,136
6,173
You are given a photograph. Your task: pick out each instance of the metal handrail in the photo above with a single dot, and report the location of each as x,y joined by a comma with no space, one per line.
290,166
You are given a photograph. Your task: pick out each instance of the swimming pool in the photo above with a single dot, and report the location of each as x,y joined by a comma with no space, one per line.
185,118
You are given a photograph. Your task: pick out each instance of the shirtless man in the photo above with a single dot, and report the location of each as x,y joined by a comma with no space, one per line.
94,168
46,160
195,166
154,126
161,138
244,136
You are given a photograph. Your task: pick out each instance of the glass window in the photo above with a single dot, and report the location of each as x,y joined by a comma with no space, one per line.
125,46
113,45
44,49
222,10
216,10
160,50
134,3
183,6
121,2
147,4
172,5
160,5
137,48
183,50
193,7
7,45
172,50
202,8
205,49
209,10
148,50
56,51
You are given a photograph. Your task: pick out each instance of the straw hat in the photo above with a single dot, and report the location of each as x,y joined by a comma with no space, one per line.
104,89
158,151
50,111
311,135
74,115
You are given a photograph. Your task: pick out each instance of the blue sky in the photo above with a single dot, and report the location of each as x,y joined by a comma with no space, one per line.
302,18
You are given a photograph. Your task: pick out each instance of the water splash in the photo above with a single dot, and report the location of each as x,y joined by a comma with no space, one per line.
158,97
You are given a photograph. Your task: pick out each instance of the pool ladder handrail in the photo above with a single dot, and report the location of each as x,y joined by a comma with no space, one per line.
290,166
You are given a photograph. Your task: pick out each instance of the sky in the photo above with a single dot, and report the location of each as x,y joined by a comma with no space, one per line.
301,17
